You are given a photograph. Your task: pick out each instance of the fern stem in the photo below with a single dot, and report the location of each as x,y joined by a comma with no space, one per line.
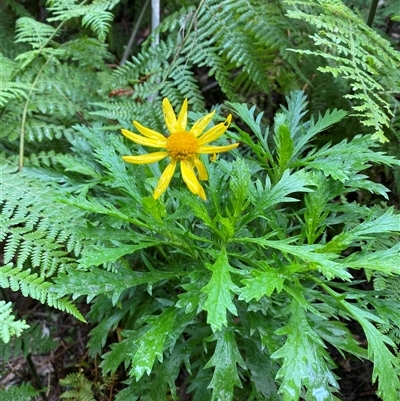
36,376
372,11
24,114
133,35
25,111
184,39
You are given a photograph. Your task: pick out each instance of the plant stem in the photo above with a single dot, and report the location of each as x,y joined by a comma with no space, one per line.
133,35
372,11
36,376
184,39
25,112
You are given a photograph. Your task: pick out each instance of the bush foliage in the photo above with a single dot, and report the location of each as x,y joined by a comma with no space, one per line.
249,294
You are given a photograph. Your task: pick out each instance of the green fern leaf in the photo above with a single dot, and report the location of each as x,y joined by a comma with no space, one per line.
36,33
357,54
9,326
35,287
34,231
95,16
24,392
81,388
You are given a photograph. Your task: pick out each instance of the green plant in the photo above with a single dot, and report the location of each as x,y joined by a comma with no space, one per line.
24,392
249,294
10,326
235,283
357,53
80,388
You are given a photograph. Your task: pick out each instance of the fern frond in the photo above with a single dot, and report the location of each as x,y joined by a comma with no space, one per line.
8,13
81,388
32,341
243,34
10,327
61,95
182,84
99,21
24,392
87,52
95,16
32,227
30,284
357,54
36,33
10,90
220,25
144,68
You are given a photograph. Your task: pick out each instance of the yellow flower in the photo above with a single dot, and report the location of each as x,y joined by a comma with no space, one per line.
181,146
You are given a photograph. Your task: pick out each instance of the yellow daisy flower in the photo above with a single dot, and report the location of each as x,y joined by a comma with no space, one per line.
181,146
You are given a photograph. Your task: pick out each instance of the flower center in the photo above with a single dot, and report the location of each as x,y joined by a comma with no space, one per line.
182,146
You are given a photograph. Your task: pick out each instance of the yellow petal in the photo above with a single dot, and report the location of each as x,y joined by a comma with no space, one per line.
200,125
169,116
201,169
216,149
201,193
215,132
155,143
189,177
145,159
149,132
182,118
164,180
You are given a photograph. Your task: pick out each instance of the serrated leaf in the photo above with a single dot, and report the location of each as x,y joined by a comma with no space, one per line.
263,283
337,334
305,362
288,184
151,344
388,222
362,181
283,141
219,292
262,370
224,360
323,123
98,255
316,212
343,160
193,299
239,185
167,373
335,168
386,365
119,352
247,115
386,260
101,282
309,254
